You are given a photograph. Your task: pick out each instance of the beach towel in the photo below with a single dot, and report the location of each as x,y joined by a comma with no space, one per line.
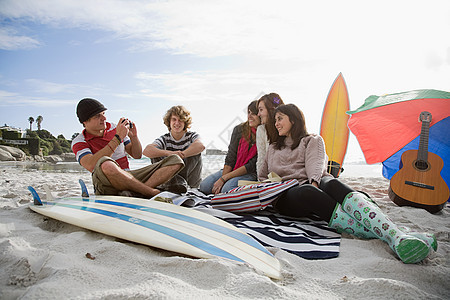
307,238
252,197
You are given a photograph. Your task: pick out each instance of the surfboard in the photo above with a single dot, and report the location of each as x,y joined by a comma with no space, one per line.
161,225
333,126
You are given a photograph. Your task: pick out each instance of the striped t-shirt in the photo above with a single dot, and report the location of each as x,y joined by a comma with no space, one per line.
167,142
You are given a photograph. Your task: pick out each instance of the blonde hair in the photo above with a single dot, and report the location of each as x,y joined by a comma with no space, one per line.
182,113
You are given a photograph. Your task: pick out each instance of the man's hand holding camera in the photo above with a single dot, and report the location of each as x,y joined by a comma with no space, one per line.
126,127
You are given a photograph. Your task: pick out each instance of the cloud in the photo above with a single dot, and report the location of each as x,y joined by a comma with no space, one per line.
53,88
282,30
53,94
42,86
9,100
278,46
10,40
6,94
126,19
214,84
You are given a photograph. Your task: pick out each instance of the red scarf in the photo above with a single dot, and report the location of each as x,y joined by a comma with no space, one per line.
245,152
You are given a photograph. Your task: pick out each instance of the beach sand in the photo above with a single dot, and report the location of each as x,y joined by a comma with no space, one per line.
41,258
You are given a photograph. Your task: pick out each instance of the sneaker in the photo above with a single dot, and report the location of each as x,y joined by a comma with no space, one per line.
177,185
178,189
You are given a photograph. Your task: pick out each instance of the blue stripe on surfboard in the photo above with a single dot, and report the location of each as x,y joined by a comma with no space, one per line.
193,241
229,232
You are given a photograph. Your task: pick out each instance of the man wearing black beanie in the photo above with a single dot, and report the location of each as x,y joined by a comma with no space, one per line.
102,147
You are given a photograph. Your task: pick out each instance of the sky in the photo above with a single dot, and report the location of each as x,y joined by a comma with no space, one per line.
139,58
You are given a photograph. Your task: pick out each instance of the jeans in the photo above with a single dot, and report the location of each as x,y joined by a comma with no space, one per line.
207,184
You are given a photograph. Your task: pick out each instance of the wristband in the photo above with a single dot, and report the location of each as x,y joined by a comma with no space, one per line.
223,179
110,147
118,138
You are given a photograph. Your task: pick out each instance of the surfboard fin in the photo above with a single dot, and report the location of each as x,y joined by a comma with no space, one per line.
84,190
48,192
36,198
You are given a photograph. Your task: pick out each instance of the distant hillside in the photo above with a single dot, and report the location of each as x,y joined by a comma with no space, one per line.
49,144
40,142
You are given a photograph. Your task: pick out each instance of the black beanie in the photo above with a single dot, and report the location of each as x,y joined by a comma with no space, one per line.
88,108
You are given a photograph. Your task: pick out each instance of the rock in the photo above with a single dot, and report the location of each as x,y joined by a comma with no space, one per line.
69,157
38,158
53,159
15,152
8,153
6,156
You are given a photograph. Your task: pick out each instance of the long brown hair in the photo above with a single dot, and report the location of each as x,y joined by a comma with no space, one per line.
247,132
298,129
271,101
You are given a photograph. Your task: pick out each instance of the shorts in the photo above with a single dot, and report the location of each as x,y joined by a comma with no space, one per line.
102,186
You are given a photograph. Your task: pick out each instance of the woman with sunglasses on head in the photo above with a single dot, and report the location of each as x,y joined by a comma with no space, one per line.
296,154
266,133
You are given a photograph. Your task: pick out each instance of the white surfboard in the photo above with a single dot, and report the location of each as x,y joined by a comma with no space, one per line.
161,225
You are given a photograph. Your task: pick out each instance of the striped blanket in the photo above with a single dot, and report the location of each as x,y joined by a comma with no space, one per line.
310,239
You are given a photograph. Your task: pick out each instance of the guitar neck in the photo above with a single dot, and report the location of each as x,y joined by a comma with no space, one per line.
423,143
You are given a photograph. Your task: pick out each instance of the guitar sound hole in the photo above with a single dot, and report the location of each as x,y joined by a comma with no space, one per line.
421,165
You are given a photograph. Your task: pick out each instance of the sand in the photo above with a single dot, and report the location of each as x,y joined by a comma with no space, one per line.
42,258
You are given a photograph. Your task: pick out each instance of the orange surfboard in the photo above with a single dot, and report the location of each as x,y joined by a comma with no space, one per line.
333,127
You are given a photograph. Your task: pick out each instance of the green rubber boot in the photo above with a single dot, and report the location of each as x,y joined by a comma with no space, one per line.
342,222
428,238
407,247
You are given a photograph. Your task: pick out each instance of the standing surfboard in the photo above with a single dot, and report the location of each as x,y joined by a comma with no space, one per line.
161,225
333,127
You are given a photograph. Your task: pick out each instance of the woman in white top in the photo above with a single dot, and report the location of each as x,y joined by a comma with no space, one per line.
266,132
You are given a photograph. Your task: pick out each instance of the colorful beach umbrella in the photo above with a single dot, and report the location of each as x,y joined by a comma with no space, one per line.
386,126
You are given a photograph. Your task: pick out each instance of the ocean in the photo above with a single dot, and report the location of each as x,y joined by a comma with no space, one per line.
211,163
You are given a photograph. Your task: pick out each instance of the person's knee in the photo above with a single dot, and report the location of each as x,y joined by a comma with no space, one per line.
230,184
206,185
332,183
177,167
205,188
174,158
109,168
335,188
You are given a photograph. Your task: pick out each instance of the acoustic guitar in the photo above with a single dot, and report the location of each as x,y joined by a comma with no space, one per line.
419,183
